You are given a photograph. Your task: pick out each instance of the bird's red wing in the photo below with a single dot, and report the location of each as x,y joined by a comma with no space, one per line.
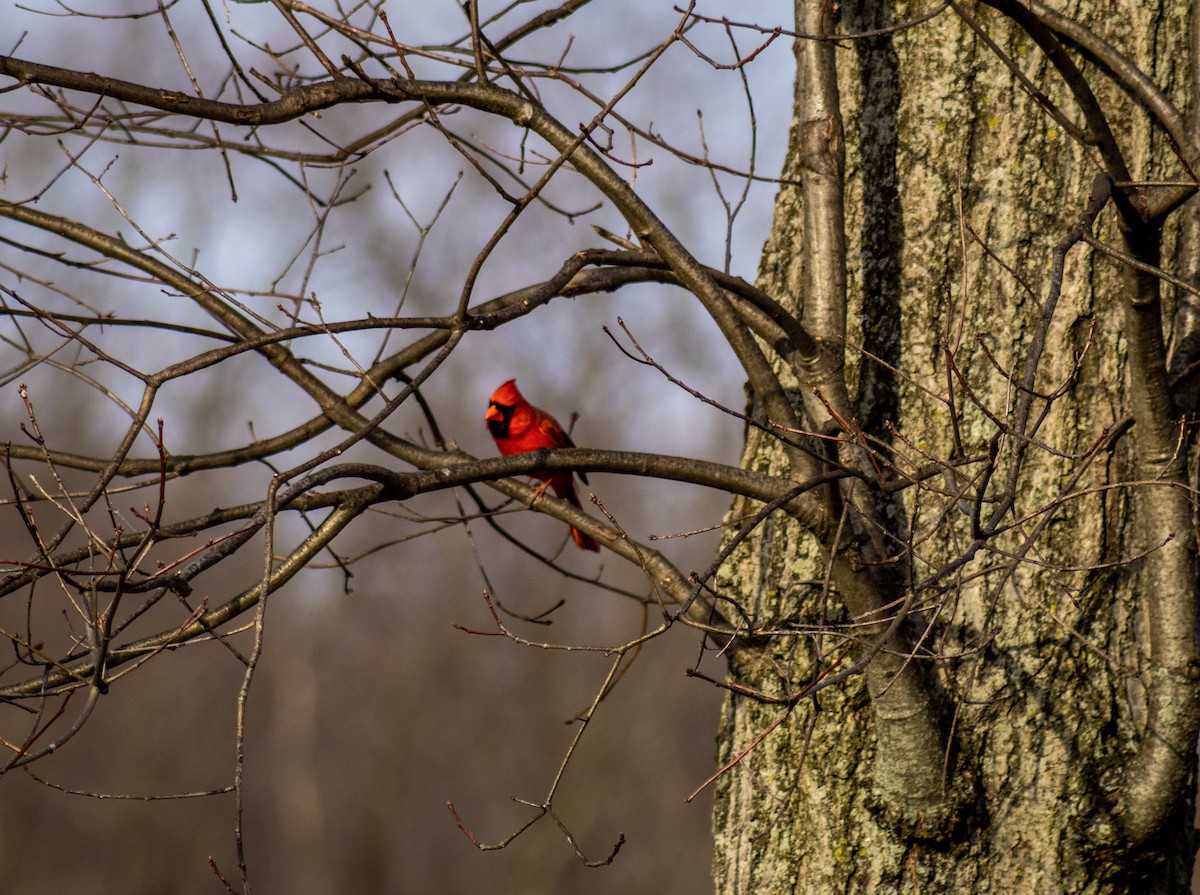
555,436
552,434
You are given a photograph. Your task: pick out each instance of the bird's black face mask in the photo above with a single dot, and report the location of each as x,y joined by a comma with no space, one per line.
499,422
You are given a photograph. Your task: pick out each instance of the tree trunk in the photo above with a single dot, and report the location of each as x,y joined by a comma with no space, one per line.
1037,652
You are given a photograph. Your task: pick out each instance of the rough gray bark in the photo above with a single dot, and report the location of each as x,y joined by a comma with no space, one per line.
1061,685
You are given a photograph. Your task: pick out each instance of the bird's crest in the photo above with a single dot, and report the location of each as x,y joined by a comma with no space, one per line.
507,394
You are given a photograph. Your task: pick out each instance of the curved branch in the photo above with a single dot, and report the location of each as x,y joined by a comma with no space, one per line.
1099,131
1132,79
1157,775
290,105
1138,85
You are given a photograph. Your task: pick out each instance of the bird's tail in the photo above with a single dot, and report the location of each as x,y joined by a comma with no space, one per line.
583,541
565,490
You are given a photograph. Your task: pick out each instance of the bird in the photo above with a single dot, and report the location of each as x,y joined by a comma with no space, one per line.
518,427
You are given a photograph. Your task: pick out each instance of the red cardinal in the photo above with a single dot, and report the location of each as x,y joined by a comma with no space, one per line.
518,428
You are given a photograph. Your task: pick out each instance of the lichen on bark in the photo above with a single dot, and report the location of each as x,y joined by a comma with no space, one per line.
1039,668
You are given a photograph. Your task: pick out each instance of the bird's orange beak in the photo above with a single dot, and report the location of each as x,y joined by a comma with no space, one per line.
493,413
